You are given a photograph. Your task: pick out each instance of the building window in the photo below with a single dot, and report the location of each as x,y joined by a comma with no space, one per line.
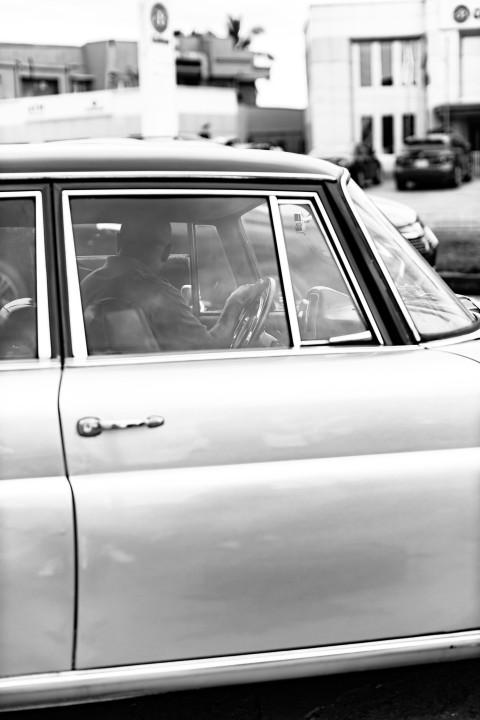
81,85
387,133
386,56
112,83
32,87
410,62
469,64
367,130
365,64
408,125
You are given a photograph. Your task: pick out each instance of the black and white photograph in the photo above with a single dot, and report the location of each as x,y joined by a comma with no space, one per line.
239,360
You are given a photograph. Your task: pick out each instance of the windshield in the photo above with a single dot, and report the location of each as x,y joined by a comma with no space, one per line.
434,309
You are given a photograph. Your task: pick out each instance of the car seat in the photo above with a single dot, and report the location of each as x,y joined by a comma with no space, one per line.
114,325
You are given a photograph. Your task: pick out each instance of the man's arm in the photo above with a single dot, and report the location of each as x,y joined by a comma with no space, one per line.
223,329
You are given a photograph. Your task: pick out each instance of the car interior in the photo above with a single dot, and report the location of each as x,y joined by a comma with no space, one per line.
218,243
18,328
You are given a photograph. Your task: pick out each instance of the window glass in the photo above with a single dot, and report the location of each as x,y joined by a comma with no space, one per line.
172,274
365,64
326,309
34,86
408,125
433,307
18,332
367,129
410,62
469,64
387,133
386,56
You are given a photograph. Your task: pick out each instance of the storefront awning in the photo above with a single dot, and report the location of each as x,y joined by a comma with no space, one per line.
458,110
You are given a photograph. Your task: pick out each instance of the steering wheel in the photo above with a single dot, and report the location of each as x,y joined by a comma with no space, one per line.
254,315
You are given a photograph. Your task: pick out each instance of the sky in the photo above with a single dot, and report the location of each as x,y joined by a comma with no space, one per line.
75,22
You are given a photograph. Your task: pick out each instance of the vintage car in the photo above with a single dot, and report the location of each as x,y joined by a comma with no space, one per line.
239,427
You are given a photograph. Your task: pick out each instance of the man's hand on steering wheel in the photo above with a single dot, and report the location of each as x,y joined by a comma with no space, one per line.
254,303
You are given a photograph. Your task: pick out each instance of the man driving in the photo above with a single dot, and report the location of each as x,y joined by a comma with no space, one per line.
134,276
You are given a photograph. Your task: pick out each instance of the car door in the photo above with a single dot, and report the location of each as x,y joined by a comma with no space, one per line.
314,489
37,560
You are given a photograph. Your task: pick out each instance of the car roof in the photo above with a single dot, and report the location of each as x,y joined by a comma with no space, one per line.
127,155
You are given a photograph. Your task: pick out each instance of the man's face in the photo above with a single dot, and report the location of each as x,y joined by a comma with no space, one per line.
157,255
157,247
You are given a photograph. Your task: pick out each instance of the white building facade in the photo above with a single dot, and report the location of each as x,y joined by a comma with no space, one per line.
379,70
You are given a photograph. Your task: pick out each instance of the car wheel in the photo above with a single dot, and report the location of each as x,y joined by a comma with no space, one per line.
401,184
360,178
457,176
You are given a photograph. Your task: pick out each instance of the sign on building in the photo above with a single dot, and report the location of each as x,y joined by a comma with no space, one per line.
156,61
460,15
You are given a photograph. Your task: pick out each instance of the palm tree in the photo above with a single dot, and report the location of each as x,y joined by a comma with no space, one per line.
234,27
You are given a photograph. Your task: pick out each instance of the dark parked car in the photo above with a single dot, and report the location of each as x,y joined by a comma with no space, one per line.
361,161
238,428
436,158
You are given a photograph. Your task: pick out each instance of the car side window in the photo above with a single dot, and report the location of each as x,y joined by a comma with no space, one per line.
326,308
18,319
174,274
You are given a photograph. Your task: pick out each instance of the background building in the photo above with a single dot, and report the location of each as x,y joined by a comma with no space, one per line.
379,70
50,92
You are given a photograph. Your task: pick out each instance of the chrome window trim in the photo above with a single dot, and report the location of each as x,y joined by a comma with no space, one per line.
192,191
292,317
378,258
453,340
77,329
44,347
73,686
300,351
336,249
75,310
351,275
29,364
166,174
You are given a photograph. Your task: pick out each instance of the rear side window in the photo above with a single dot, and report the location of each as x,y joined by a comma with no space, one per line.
18,331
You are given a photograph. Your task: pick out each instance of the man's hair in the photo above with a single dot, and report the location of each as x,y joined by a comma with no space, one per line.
140,237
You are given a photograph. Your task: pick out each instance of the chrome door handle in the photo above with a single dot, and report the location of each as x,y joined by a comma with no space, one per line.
91,426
